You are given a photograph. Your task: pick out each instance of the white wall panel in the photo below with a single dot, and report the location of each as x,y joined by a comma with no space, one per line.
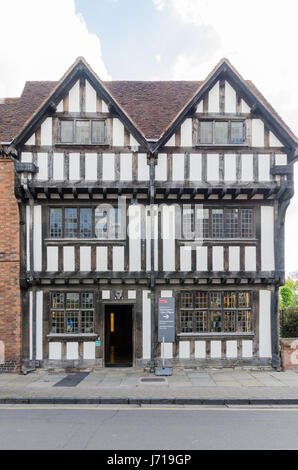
234,258
215,349
132,141
265,323
60,107
244,107
89,350
42,163
168,350
26,157
143,167
85,258
55,351
202,258
37,238
104,107
247,173
91,166
101,258
200,107
186,133
212,167
171,142
134,229
230,167
28,237
281,159
247,350
108,167
146,325
72,351
273,140
68,258
161,167
74,98
267,238
231,349
178,166
185,258
90,98
31,140
125,166
258,134
195,167
230,99
52,258
250,258
74,167
200,349
217,258
184,349
39,323
58,166
168,235
213,99
46,132
118,258
118,133
264,167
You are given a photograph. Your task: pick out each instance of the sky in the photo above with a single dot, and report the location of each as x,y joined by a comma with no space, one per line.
158,40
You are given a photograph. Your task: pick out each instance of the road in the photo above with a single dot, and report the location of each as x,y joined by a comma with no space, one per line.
149,428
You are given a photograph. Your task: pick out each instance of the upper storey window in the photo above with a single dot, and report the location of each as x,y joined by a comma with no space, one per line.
82,131
221,132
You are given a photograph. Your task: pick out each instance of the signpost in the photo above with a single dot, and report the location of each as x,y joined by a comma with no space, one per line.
166,328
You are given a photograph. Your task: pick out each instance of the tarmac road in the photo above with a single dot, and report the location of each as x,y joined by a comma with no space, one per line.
148,427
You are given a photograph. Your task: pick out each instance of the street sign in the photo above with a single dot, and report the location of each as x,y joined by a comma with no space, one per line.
166,319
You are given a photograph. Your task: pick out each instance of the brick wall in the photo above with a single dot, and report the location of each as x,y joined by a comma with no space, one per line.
10,304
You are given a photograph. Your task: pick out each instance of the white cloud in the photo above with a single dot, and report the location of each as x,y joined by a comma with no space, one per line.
159,4
40,40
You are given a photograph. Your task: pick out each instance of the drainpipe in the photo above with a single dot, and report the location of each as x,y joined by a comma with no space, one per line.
152,163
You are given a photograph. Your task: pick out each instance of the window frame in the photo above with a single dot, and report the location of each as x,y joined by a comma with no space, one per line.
229,121
74,131
67,311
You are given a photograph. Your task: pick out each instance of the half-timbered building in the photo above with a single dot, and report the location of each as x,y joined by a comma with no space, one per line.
133,191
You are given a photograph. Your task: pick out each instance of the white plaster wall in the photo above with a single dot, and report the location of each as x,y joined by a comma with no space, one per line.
60,107
31,140
68,258
143,167
104,107
195,167
74,166
39,322
200,107
72,351
258,134
58,166
178,166
52,258
202,258
26,157
42,163
89,350
264,167
118,133
118,258
74,98
215,349
132,294
28,236
184,349
168,236
186,133
30,323
161,167
281,159
244,107
90,98
101,258
106,294
125,166
55,351
217,258
212,167
168,350
146,325
273,140
234,258
230,167
134,229
185,258
132,141
247,173
108,167
265,323
91,166
231,349
200,349
37,238
213,99
247,350
267,238
250,255
85,258
171,141
46,132
230,99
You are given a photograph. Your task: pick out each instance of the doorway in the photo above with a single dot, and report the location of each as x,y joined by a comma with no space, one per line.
118,336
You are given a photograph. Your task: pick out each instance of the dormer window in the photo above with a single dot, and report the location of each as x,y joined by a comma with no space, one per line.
221,132
82,131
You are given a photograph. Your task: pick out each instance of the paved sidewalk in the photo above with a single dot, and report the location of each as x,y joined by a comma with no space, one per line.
128,384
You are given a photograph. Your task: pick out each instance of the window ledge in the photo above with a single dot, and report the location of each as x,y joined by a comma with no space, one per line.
222,145
71,335
216,335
